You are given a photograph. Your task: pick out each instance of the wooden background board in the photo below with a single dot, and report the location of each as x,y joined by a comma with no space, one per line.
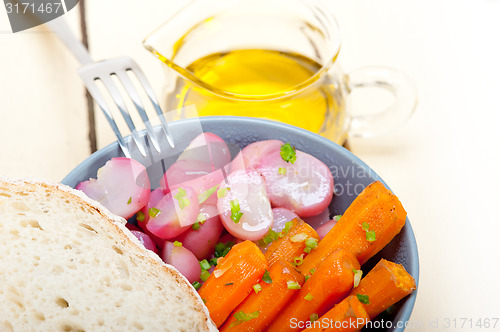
443,163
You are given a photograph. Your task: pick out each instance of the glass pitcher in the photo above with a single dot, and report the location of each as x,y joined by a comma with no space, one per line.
274,59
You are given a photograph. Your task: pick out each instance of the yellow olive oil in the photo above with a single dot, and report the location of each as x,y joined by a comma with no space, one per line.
259,83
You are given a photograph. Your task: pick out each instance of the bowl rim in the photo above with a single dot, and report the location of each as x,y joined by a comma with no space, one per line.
407,309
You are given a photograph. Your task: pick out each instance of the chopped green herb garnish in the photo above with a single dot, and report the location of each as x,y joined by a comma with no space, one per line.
288,153
204,301
363,298
243,317
177,244
222,249
288,227
267,278
311,243
129,200
182,198
307,277
204,275
298,260
257,288
206,194
370,236
292,285
337,217
196,285
269,237
236,214
282,171
308,297
312,271
314,317
196,226
365,226
213,261
357,276
153,212
222,192
140,216
201,218
299,237
204,264
228,284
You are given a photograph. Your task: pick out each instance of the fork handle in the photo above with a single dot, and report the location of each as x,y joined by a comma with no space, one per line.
64,33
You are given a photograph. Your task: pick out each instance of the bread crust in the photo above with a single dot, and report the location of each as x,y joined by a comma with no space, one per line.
117,225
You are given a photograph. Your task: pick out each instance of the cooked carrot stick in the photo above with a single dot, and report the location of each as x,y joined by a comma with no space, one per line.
384,285
268,299
347,316
374,218
232,280
291,245
328,285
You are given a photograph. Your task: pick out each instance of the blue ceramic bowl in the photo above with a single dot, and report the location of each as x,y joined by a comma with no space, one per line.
351,176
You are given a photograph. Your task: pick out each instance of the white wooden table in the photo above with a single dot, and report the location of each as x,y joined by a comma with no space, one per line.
443,163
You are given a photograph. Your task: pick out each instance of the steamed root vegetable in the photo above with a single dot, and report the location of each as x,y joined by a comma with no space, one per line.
281,216
182,259
291,242
326,227
251,156
327,286
122,185
209,148
319,219
243,205
174,213
347,316
384,285
145,240
268,299
204,233
304,187
196,174
232,280
368,225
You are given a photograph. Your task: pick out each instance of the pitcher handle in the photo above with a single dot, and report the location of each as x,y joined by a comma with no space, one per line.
390,118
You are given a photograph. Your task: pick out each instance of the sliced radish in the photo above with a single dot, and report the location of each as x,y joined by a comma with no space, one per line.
305,187
196,174
246,201
174,213
122,185
252,155
202,241
182,259
281,217
209,148
319,219
145,240
325,228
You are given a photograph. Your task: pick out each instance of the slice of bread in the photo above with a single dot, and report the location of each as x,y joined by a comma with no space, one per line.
67,264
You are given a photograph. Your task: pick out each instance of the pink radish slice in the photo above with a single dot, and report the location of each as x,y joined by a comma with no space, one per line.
193,173
154,198
281,217
209,148
252,155
183,260
247,189
122,186
319,219
168,218
145,240
306,188
325,228
202,242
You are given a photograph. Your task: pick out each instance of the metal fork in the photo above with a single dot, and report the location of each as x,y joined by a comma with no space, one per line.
91,71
